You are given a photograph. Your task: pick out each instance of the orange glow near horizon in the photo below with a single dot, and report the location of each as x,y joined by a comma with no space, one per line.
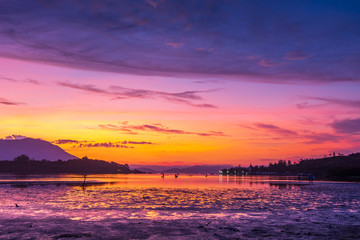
251,127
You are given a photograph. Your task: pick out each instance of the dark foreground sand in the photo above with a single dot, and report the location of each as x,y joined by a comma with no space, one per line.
273,227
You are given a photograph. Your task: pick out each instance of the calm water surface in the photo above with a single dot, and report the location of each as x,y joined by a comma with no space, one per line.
118,198
153,197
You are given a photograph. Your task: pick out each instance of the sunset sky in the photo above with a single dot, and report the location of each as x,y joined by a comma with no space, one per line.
183,82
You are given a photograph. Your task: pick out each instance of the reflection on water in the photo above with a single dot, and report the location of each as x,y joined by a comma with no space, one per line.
186,197
143,180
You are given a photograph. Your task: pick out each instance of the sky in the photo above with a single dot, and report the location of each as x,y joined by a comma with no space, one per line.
183,82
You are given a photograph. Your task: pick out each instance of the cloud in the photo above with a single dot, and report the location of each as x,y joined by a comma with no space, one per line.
104,144
308,138
142,93
66,141
337,101
84,87
275,129
296,55
318,138
8,79
347,126
14,137
120,144
128,37
90,144
303,105
32,81
159,128
207,81
4,101
175,45
118,92
187,102
268,63
154,3
313,102
142,142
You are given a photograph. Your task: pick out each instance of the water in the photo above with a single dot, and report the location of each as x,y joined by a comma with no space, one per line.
188,207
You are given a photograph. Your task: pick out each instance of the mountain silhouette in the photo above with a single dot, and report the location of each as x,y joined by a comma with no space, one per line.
34,148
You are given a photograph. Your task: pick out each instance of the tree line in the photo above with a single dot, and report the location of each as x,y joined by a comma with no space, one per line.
24,165
332,167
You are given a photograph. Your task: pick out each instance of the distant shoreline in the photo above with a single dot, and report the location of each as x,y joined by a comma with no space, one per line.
335,167
23,165
25,179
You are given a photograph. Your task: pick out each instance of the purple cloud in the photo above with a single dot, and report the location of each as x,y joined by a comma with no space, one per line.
268,63
117,92
7,79
14,137
142,93
105,144
155,3
187,102
85,143
4,101
8,103
159,128
32,81
175,45
142,142
347,126
275,129
296,55
84,87
174,38
66,141
313,102
337,101
317,138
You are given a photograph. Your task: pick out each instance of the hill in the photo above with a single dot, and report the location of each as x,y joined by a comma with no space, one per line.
34,148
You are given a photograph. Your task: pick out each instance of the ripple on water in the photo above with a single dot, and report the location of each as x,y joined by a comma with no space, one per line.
178,201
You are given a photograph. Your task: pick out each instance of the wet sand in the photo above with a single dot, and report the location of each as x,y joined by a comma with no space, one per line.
288,225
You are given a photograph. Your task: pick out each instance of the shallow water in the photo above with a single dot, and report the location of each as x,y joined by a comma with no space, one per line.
214,206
